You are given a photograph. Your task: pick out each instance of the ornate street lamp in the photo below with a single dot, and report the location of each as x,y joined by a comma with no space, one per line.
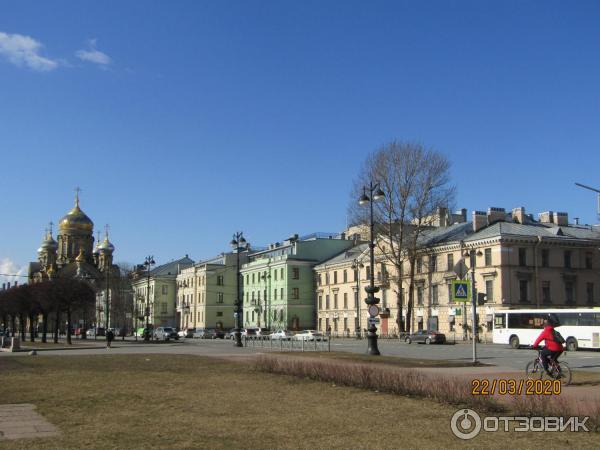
148,263
375,194
238,243
356,266
472,255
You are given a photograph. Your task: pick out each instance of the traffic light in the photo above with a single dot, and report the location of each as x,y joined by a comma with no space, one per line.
481,298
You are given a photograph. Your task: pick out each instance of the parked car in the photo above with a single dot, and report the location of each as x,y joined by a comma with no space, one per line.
230,334
165,333
100,331
199,333
249,332
282,334
215,333
427,337
78,331
186,333
309,335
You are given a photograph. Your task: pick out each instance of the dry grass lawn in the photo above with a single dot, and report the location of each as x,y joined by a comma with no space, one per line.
176,401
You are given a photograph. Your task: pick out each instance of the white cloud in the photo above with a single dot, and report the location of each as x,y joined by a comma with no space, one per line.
93,55
24,51
11,271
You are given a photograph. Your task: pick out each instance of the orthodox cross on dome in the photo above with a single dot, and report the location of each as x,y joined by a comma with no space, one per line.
50,227
77,191
106,228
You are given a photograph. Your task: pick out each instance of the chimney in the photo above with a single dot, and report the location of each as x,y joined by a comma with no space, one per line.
546,217
576,219
463,213
3,286
343,236
479,220
8,287
495,215
442,218
518,215
16,283
561,219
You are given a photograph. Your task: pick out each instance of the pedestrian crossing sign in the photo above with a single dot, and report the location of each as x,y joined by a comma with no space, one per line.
461,291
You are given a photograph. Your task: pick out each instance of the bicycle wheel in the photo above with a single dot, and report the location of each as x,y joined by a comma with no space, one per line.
565,374
533,370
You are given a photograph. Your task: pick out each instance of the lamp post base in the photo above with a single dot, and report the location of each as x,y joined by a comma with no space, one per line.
238,339
372,348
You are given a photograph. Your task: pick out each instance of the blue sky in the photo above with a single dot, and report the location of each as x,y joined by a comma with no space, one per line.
186,121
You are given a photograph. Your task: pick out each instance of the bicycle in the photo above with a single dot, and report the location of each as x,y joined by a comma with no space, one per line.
558,371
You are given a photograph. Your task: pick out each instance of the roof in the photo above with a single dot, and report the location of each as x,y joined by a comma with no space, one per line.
347,255
534,230
171,268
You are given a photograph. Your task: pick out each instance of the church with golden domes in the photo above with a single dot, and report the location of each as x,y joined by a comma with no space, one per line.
73,255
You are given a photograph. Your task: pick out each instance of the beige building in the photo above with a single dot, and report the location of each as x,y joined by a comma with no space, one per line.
206,293
155,294
519,262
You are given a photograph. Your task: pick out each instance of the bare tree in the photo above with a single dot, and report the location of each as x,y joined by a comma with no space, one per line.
417,183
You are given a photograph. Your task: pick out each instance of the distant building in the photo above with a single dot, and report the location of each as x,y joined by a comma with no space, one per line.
206,292
155,293
73,255
278,283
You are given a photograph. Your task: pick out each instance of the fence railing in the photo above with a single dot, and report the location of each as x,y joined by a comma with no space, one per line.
289,345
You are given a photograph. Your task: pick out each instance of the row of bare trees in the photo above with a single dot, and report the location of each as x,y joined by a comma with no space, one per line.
50,301
417,183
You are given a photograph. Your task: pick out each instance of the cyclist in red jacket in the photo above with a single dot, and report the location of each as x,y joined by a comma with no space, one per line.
553,348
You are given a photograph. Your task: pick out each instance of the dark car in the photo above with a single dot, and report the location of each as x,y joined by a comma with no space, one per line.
427,337
214,333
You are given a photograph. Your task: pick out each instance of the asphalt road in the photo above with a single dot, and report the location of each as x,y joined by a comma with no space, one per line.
498,355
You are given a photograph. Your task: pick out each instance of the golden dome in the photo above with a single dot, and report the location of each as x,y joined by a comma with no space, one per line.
76,218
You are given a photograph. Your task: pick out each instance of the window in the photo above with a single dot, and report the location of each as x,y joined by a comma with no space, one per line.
252,278
449,292
356,275
281,273
567,257
335,277
546,300
320,302
523,291
220,280
296,273
522,256
335,301
419,265
219,297
345,276
545,257
327,302
420,295
281,292
472,258
295,293
274,294
165,289
164,307
488,256
368,270
450,258
433,263
589,289
345,300
275,276
434,294
219,313
318,278
247,279
489,291
569,292
588,260
327,278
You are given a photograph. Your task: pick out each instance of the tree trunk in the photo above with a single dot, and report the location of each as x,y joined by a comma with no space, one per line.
44,326
32,327
56,326
411,295
22,326
69,325
13,325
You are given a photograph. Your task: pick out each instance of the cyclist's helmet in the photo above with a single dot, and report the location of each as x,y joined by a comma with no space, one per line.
553,320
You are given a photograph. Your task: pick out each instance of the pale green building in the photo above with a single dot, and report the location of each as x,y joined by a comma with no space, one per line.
279,282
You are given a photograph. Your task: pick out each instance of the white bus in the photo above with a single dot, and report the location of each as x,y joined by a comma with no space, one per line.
579,327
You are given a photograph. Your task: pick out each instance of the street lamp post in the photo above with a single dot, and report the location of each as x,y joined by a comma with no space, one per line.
357,265
473,254
375,193
148,263
238,243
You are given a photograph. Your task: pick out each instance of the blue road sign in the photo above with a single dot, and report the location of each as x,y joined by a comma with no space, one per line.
461,291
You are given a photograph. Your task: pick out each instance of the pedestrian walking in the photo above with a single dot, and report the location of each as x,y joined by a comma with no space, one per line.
109,337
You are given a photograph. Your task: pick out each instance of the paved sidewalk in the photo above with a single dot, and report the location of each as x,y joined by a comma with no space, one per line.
21,421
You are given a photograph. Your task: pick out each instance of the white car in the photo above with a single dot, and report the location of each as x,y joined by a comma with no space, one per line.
282,334
309,335
165,333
